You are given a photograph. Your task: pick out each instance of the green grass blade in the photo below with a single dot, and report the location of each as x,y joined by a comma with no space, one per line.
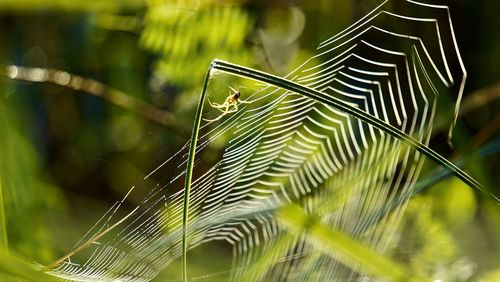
218,65
355,112
4,243
341,247
14,268
189,175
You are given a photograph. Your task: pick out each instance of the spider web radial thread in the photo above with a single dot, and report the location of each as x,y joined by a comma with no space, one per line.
394,64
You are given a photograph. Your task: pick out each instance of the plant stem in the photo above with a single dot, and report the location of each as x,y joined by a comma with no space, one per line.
94,88
340,247
4,243
189,173
355,112
315,95
88,242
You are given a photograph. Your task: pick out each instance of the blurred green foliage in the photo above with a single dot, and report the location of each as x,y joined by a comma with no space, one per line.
71,6
28,198
187,37
65,157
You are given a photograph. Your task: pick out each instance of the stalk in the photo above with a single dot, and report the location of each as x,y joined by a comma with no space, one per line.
189,173
355,112
286,84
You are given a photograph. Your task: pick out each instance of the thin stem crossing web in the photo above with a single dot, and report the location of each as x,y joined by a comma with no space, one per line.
344,136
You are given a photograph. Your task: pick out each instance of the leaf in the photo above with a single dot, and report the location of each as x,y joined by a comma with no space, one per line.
337,245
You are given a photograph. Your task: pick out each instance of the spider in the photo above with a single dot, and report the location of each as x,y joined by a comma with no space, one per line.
231,101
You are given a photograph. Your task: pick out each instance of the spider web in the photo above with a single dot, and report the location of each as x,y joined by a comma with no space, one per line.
395,64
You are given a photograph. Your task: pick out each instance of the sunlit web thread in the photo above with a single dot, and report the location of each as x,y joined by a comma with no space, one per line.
292,148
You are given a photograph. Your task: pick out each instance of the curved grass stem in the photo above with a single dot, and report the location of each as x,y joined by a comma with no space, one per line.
189,173
355,112
317,96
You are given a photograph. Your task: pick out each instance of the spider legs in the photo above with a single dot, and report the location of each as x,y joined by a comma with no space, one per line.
224,111
216,105
230,105
217,118
245,102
